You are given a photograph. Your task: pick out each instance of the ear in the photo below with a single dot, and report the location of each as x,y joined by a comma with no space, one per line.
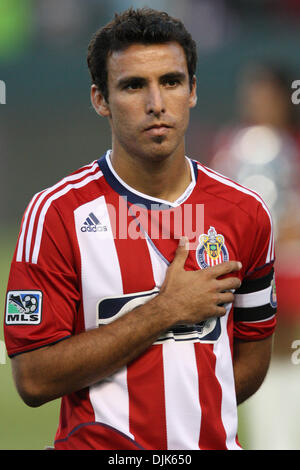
99,103
193,95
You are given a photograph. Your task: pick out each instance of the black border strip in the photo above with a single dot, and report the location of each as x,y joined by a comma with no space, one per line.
253,285
263,312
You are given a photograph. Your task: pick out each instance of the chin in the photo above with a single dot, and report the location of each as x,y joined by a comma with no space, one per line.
157,156
160,150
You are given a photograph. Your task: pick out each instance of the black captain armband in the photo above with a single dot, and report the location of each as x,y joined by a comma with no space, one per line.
256,299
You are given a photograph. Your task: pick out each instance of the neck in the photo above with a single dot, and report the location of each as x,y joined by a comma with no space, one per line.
164,179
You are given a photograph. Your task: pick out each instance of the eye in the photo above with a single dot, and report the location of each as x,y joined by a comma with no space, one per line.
172,82
134,85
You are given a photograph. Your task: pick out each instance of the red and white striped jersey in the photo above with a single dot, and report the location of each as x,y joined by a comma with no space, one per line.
90,249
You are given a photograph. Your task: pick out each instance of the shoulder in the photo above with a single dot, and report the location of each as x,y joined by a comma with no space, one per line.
52,207
229,191
78,182
70,190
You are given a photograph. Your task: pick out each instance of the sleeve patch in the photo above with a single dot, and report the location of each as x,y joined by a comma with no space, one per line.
23,307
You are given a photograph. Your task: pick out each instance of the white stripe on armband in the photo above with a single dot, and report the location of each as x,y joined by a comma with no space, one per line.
254,299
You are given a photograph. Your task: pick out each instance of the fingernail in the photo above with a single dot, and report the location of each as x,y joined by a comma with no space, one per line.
184,241
240,265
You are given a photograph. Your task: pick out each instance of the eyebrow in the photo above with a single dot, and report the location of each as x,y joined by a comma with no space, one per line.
180,76
123,82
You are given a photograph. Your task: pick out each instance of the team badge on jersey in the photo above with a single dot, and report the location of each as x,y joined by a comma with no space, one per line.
23,307
211,249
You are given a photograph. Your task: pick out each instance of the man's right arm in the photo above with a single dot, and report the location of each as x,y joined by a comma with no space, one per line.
82,360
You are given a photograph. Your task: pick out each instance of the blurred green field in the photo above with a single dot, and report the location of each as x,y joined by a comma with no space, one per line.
21,427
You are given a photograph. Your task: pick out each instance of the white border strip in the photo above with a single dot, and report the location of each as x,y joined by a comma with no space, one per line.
253,299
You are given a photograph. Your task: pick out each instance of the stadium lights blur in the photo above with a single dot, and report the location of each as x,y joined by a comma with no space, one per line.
257,145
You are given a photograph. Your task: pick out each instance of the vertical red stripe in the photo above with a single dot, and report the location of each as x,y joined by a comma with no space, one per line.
212,432
147,400
145,376
230,333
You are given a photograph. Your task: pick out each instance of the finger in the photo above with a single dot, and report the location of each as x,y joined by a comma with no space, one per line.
229,283
225,298
181,253
224,268
220,311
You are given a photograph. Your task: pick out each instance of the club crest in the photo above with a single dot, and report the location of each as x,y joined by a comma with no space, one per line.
211,249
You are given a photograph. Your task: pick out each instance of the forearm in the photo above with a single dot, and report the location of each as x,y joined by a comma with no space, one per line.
86,358
250,365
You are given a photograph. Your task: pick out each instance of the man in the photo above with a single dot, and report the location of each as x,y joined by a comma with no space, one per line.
115,303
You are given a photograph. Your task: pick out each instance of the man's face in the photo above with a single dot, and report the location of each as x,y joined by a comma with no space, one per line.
149,100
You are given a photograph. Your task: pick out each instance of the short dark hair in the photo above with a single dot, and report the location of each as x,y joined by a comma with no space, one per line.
143,26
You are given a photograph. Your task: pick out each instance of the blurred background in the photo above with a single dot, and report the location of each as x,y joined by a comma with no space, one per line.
245,126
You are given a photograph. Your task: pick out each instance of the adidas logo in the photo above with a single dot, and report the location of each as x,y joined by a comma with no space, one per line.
92,224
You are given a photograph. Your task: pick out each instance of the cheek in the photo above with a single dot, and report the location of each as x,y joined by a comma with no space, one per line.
180,105
120,120
183,111
124,114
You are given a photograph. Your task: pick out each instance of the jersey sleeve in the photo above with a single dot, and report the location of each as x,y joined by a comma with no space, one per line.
42,294
255,303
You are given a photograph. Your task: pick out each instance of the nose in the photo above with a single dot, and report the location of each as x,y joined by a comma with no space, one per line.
155,102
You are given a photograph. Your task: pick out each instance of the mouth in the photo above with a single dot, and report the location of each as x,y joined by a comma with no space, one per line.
158,129
157,126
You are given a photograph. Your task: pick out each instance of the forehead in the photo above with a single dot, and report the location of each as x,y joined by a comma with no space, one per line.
144,59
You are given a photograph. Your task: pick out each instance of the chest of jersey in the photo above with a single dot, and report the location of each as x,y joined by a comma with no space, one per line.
126,249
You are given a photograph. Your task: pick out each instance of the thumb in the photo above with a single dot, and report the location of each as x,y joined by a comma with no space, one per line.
182,252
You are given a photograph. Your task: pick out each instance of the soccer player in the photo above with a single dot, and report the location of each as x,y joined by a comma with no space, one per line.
141,289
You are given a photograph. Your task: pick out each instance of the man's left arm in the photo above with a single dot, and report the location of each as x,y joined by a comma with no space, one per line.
255,306
251,361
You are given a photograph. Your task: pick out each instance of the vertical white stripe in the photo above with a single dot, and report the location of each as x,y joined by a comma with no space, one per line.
224,374
110,401
183,412
159,266
100,270
101,277
273,247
